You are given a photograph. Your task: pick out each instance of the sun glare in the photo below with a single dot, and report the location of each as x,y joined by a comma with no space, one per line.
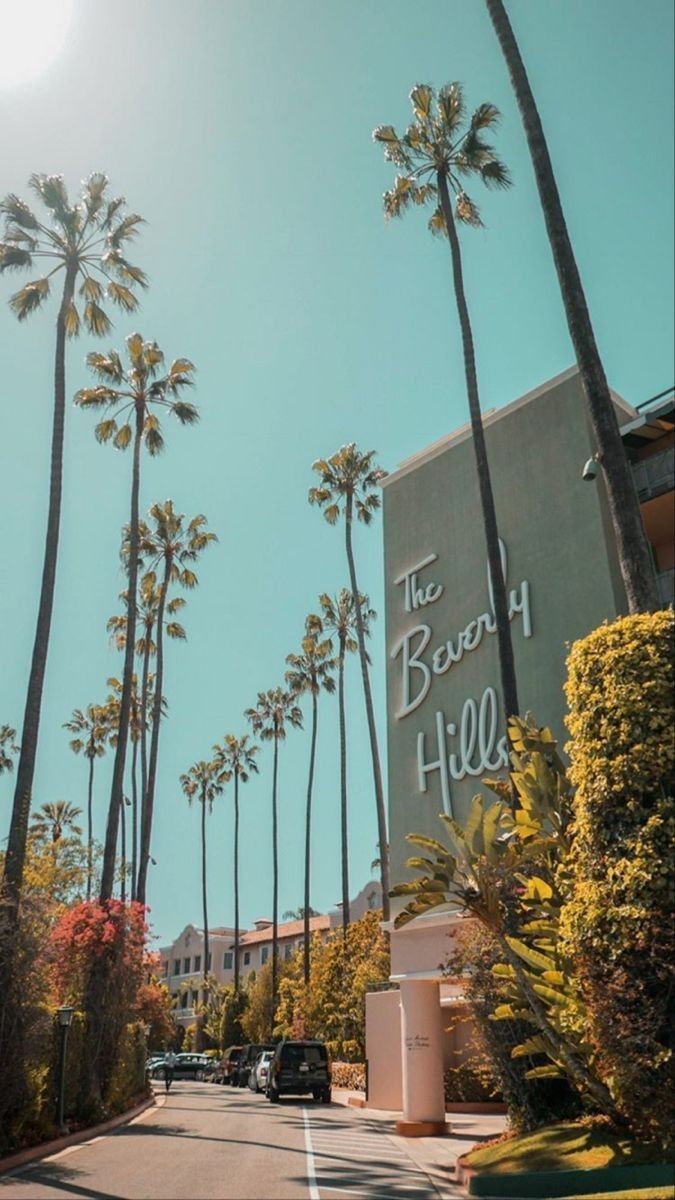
33,35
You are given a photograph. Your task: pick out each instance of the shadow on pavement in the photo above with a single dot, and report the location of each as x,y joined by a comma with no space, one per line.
61,1178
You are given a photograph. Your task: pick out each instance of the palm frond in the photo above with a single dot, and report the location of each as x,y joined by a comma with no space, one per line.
96,320
16,210
14,258
29,298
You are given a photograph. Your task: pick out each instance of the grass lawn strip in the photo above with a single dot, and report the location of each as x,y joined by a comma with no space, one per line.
566,1146
660,1193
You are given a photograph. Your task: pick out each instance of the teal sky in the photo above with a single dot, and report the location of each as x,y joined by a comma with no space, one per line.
241,131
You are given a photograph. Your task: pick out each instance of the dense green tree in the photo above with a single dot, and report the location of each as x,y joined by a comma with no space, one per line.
132,397
436,154
275,711
82,242
350,488
635,559
169,545
310,673
236,757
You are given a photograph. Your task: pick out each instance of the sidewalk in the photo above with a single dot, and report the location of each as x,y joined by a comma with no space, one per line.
435,1155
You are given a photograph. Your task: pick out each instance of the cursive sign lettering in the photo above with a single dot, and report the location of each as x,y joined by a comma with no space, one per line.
415,596
417,674
479,748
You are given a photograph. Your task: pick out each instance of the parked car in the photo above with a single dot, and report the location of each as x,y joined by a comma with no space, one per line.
297,1069
226,1068
188,1066
257,1080
248,1057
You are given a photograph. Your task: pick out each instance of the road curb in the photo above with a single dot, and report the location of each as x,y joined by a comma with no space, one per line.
46,1149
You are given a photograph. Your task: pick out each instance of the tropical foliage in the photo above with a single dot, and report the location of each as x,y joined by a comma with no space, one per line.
504,869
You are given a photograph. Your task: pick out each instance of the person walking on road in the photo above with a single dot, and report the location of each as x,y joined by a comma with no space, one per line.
169,1065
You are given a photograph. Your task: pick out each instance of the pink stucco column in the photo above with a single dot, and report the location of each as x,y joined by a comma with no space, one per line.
422,1059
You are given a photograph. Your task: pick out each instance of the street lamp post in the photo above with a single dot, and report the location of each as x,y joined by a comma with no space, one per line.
65,1017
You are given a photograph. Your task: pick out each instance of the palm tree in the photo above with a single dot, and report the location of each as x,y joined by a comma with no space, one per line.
350,486
8,748
92,730
275,710
53,820
635,559
435,153
338,614
310,672
84,240
170,542
147,607
205,780
236,758
132,396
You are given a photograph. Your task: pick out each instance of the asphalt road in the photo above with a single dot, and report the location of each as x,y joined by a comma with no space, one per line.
214,1143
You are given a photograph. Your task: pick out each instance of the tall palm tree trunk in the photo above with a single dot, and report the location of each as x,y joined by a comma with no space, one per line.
117,789
144,731
134,816
635,560
501,608
200,1024
308,843
372,730
344,831
275,882
18,830
146,815
90,827
123,837
236,881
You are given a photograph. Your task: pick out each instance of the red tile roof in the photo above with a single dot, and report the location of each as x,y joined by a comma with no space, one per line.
286,930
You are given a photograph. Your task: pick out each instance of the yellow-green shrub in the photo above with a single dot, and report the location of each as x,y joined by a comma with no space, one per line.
617,924
351,1076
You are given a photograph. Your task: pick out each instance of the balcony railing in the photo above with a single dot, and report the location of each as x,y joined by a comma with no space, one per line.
655,475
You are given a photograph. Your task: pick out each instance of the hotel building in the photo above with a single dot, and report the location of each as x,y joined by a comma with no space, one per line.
182,962
444,717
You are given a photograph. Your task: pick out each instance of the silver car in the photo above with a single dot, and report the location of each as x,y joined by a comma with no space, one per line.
257,1080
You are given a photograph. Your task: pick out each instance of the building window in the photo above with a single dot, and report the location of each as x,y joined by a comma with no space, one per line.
195,998
186,966
176,966
198,962
264,954
227,960
247,958
288,950
165,967
184,1000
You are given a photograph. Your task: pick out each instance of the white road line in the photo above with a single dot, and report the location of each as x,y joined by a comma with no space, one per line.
311,1171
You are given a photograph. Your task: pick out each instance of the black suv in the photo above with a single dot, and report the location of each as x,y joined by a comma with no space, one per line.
297,1069
243,1068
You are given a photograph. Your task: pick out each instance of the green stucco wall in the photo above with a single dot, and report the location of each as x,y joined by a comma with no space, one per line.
557,540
